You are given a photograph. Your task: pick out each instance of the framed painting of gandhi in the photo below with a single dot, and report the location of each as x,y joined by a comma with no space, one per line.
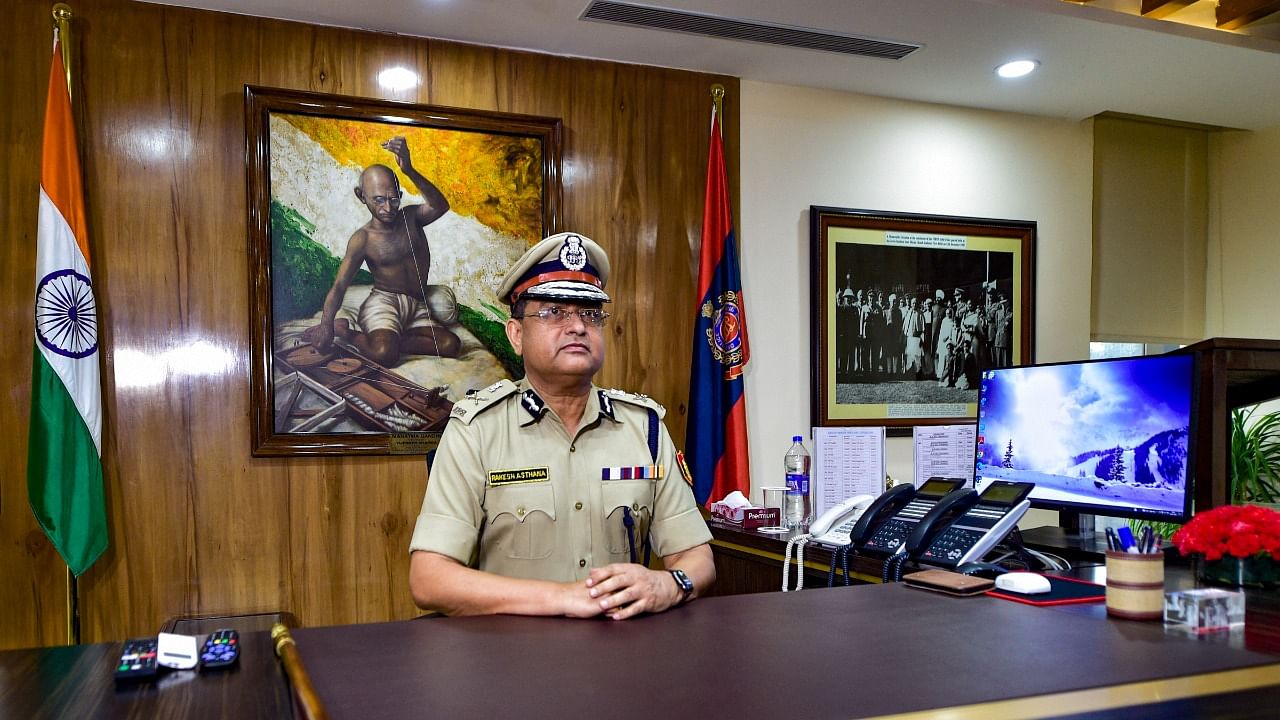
378,233
909,310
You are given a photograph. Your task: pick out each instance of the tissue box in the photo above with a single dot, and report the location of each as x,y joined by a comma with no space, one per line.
748,517
753,518
1204,609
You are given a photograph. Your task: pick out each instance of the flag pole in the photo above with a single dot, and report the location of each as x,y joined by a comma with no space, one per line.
717,99
62,21
62,15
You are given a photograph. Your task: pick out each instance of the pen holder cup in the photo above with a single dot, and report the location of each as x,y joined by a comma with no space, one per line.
1135,585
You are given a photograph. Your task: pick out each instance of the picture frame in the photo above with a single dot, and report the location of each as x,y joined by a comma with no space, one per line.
378,234
968,287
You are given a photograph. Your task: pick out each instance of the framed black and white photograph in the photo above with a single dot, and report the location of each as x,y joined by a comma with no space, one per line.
908,310
378,233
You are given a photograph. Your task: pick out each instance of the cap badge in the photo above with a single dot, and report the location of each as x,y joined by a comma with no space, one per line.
572,255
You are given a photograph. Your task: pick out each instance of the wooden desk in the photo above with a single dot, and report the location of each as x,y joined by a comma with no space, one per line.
829,653
861,651
76,681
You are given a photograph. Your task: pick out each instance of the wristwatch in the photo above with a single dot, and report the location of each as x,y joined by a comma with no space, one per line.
684,583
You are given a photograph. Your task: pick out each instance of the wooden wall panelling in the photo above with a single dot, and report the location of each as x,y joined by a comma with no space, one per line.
165,111
349,518
197,525
239,507
33,578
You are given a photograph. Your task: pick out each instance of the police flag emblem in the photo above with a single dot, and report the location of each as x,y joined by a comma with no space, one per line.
725,334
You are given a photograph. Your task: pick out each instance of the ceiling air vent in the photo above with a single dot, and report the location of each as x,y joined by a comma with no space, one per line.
719,27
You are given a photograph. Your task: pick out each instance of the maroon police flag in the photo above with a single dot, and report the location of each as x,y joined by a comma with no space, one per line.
716,437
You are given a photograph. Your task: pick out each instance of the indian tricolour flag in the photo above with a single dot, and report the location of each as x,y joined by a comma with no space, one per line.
64,460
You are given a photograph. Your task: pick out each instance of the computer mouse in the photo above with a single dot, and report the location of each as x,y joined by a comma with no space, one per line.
1025,583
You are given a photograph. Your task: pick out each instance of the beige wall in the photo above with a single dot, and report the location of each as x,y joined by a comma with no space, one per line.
803,147
1244,235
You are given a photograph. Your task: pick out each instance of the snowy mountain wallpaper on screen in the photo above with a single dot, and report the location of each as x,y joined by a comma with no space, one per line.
1113,432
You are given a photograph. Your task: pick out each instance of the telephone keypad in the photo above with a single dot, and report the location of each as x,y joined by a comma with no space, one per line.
952,543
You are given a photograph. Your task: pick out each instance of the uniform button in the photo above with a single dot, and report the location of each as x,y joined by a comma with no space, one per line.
573,448
520,511
582,562
635,507
577,506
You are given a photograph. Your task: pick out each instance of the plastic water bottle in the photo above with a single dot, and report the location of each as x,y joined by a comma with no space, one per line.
798,508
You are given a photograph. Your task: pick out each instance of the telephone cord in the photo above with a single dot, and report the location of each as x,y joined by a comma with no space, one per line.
841,555
891,571
797,542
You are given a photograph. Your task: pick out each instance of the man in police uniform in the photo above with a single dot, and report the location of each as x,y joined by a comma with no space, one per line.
546,495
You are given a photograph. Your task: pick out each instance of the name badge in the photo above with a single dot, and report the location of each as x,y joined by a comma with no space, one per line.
518,477
632,472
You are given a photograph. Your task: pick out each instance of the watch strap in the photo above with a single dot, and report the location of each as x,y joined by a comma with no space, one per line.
683,583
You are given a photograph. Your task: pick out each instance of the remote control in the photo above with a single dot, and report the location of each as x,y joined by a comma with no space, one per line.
137,660
221,649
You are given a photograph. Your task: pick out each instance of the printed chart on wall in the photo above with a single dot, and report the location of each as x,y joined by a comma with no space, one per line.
847,462
945,451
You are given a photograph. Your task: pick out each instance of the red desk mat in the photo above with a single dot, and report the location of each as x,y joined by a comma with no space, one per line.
1063,591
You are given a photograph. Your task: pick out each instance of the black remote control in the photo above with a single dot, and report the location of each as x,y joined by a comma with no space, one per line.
137,660
221,649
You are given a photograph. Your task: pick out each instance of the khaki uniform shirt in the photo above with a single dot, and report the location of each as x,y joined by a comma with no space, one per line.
511,493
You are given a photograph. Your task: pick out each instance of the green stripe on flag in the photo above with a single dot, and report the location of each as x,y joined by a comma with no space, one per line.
64,472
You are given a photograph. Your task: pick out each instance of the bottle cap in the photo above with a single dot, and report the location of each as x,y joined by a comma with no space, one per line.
797,438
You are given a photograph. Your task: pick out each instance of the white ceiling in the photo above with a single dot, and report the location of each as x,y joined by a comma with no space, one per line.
1092,60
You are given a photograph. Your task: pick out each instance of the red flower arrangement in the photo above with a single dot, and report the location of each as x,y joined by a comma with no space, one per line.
1235,530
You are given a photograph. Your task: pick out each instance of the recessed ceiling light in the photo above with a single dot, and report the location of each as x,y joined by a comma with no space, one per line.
1017,68
398,78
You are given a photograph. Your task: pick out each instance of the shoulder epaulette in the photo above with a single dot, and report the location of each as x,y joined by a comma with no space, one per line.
636,399
477,401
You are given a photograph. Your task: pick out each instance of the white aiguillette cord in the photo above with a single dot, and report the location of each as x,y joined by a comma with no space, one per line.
798,542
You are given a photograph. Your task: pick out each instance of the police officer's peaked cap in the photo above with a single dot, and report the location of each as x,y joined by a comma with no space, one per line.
564,266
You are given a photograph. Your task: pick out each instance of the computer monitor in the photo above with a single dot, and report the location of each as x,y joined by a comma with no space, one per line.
1105,437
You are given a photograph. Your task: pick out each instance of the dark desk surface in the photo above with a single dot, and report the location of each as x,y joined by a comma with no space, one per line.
76,681
828,653
824,653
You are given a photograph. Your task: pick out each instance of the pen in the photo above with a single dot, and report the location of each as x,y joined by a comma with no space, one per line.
1126,540
1113,543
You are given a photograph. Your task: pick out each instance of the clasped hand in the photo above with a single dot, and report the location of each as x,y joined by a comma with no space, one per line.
624,590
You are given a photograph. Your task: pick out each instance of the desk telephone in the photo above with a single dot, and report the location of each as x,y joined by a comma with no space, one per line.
853,520
972,535
834,525
937,500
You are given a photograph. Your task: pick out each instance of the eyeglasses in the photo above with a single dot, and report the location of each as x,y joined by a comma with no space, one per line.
559,316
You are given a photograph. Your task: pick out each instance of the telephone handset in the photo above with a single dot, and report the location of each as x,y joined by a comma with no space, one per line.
887,536
998,509
884,507
939,518
834,525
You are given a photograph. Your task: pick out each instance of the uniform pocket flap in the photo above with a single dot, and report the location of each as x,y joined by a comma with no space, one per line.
521,501
634,494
